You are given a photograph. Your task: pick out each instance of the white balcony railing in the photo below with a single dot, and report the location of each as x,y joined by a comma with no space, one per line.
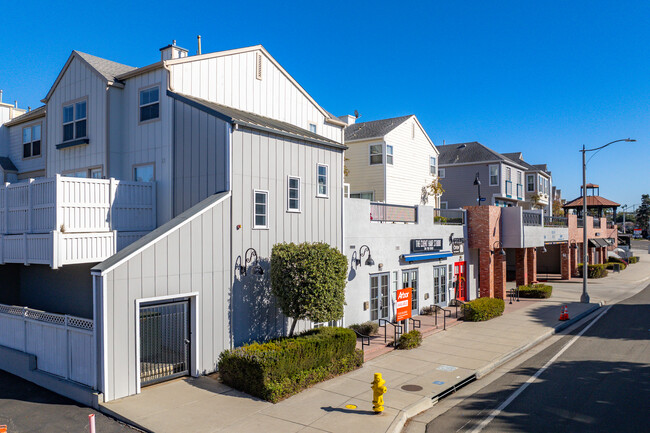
65,220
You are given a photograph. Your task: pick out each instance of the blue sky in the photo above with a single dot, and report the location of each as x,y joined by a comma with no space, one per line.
542,78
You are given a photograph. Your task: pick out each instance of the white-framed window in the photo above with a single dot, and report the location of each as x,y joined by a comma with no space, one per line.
312,128
293,194
144,173
530,182
540,188
74,121
85,173
367,195
509,174
441,173
376,154
519,177
95,173
546,186
432,165
444,205
389,154
346,190
260,209
32,141
494,175
149,103
322,181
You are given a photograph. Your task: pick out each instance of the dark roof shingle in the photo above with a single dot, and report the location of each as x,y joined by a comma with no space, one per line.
374,128
461,153
106,68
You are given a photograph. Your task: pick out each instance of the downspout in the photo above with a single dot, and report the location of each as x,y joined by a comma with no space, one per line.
169,76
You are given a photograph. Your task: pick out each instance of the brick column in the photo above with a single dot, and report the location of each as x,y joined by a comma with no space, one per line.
574,261
604,254
499,275
565,265
532,264
521,271
486,272
590,255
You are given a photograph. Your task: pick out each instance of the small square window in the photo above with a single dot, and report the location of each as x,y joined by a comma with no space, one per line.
74,121
149,104
441,173
143,173
32,141
376,154
312,128
322,181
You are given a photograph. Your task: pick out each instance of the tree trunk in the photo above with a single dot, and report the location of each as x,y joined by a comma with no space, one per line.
293,326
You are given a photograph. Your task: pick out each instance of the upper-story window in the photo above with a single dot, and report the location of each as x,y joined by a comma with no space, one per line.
367,195
32,141
530,183
74,121
143,173
509,174
546,186
322,181
432,165
540,188
494,175
293,194
149,104
389,154
519,178
312,128
261,211
441,173
376,154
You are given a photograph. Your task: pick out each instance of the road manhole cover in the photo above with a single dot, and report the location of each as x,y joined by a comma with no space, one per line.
411,388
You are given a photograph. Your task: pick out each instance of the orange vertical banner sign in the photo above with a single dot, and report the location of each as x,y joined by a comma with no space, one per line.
403,310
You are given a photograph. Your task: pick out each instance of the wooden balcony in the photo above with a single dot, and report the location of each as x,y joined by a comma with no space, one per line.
65,220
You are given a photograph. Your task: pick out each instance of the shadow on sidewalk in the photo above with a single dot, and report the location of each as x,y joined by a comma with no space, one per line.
345,410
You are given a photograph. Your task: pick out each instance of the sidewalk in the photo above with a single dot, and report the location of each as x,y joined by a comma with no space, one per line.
413,377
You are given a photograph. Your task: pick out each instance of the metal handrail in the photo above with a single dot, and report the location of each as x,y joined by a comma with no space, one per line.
449,216
396,326
457,303
384,212
513,294
556,221
444,316
416,322
363,338
531,218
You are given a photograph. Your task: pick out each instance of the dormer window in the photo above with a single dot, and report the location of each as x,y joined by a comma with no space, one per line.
74,121
149,104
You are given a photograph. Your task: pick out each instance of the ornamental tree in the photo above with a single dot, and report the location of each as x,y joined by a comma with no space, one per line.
309,280
643,214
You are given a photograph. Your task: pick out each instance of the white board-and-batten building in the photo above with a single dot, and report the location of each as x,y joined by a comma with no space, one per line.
166,187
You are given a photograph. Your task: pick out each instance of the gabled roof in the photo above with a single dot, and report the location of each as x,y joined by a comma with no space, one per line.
518,158
592,201
26,117
464,153
6,164
374,128
107,70
255,121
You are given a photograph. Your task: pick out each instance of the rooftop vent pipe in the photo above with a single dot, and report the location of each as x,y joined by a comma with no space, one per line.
198,52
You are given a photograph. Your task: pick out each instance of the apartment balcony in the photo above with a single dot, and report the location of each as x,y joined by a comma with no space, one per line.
65,220
530,228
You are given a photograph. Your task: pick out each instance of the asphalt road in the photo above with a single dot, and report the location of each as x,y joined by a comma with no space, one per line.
601,383
25,407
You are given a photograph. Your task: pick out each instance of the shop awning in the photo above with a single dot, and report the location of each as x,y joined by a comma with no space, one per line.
426,256
598,242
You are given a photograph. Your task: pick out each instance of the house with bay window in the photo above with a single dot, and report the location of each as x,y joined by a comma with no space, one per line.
135,235
539,184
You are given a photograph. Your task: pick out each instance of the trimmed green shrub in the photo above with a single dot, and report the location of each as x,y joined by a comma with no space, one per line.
309,281
277,369
612,265
366,328
482,309
409,340
594,271
612,260
536,291
633,259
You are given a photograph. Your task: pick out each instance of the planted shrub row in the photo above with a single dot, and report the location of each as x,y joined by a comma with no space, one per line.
594,271
536,291
282,367
365,328
483,309
409,340
633,259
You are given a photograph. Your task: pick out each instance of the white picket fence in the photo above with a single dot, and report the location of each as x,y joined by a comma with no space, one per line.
63,345
77,205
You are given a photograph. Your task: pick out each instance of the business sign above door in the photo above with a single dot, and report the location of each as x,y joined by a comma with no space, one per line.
456,244
403,304
425,245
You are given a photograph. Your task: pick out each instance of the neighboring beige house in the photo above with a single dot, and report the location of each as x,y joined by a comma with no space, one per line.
390,161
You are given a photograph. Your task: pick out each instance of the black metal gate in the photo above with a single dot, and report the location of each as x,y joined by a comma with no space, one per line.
164,341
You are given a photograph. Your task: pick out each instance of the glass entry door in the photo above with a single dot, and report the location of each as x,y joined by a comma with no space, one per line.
379,289
410,279
439,284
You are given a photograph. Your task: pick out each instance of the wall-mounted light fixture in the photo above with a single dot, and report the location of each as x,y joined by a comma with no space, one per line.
543,249
573,244
498,244
356,259
248,258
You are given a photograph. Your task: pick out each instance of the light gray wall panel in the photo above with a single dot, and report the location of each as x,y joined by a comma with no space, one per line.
459,185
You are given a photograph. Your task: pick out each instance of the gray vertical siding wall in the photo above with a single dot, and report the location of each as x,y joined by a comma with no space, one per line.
193,257
459,185
263,161
201,156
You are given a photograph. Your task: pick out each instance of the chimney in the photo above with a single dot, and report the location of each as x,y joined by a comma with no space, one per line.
348,119
198,52
15,104
0,96
172,51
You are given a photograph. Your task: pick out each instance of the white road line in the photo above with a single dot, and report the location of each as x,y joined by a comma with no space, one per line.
532,379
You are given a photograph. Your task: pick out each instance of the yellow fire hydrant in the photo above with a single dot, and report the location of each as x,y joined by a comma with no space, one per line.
378,391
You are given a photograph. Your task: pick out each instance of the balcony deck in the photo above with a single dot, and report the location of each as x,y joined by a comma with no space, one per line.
65,220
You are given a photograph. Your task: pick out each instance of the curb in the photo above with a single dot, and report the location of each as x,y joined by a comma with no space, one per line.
427,403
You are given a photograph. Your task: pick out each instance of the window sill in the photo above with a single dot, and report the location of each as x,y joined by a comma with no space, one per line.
146,122
71,143
31,157
260,228
293,211
322,196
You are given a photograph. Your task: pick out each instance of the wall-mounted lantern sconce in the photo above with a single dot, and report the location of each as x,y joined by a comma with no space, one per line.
477,183
544,250
573,244
498,244
356,260
248,258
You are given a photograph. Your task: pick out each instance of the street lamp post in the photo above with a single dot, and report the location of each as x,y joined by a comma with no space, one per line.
585,266
477,182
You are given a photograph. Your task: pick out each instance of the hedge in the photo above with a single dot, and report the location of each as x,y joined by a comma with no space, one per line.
595,271
366,328
277,369
483,309
612,260
537,291
409,340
